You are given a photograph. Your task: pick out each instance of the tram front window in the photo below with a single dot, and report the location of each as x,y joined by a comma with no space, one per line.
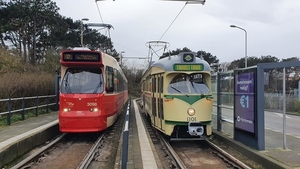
188,84
82,80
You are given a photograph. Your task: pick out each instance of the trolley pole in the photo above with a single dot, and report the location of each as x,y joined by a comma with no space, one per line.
81,30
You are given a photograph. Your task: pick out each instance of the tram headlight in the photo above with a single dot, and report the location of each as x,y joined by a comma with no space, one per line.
191,111
67,109
93,109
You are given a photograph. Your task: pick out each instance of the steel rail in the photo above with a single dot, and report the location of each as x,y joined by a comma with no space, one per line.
227,155
34,155
173,153
89,157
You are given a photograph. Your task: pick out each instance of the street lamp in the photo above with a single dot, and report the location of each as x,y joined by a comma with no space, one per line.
81,30
122,56
233,26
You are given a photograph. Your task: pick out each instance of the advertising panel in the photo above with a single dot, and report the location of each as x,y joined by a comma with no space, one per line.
244,105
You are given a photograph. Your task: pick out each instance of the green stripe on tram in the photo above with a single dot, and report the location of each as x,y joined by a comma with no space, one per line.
179,123
190,99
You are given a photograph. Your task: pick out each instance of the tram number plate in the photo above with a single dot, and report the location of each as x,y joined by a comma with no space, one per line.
191,119
92,104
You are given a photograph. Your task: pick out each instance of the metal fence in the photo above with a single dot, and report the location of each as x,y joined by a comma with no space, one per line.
35,104
277,104
273,101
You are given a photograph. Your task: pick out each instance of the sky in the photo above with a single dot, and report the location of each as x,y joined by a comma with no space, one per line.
272,26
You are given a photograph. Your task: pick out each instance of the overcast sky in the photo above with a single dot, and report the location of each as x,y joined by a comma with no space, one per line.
273,26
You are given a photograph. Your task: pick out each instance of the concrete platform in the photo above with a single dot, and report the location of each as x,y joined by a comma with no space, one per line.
141,152
21,137
274,156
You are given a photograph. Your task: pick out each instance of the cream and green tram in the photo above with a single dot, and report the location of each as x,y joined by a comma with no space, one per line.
176,96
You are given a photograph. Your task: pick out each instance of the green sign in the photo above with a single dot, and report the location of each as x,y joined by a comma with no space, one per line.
188,67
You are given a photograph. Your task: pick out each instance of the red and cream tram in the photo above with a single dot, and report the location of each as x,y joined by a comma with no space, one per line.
93,90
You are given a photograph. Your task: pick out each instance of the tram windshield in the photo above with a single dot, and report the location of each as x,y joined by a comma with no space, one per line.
82,80
189,84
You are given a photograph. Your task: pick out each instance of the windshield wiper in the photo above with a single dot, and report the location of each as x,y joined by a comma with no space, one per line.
201,92
97,87
67,85
179,91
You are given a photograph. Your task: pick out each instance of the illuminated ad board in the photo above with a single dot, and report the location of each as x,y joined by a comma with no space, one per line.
244,106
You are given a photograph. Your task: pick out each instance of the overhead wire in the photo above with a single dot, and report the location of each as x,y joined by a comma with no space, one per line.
99,11
130,49
150,48
108,30
173,21
163,33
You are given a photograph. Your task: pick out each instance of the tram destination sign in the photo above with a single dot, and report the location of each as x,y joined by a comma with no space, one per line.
244,106
188,67
81,57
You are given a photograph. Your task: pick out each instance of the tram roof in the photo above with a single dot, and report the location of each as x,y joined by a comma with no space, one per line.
168,62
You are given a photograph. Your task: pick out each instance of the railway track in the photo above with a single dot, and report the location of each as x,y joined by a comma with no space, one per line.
64,152
203,154
85,150
190,154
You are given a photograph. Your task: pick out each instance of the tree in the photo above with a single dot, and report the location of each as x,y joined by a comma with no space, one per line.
251,61
175,52
208,57
290,59
292,74
223,67
29,21
95,40
268,58
134,77
3,22
64,33
33,27
205,55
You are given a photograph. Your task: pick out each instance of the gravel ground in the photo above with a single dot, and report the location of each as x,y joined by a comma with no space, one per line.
252,164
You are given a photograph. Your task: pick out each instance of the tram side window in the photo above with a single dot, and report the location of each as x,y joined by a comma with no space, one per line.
154,84
109,79
149,84
121,85
142,86
161,84
120,82
145,85
116,80
158,84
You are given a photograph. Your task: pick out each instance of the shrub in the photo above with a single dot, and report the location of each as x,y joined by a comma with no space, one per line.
18,79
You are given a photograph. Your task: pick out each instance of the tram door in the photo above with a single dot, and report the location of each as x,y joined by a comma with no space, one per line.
154,101
157,101
160,100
